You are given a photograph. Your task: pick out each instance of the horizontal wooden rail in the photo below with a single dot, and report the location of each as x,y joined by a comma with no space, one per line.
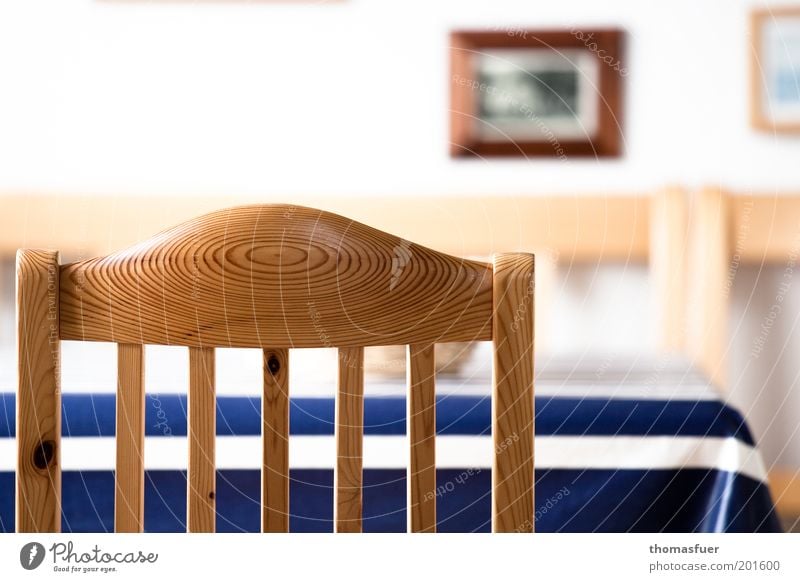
576,227
764,229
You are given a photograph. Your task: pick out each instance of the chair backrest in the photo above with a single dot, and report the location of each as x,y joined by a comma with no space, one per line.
273,277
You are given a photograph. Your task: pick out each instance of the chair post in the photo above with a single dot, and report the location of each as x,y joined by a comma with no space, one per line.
38,495
512,394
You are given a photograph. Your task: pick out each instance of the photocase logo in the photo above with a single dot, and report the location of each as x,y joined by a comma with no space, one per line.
31,555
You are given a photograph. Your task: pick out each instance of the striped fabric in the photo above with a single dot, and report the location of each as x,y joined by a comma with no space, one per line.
609,457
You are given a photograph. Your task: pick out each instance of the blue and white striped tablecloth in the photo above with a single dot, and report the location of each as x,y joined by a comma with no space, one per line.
609,459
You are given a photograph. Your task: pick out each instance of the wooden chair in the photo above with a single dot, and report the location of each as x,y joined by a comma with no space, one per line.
273,277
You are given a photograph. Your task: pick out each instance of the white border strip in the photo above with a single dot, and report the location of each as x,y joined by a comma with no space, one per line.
452,452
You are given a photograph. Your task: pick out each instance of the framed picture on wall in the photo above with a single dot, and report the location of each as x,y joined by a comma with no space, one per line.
536,93
775,70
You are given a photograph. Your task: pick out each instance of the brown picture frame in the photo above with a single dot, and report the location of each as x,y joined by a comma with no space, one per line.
758,120
604,43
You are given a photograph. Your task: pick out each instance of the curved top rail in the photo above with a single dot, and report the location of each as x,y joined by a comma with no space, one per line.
275,276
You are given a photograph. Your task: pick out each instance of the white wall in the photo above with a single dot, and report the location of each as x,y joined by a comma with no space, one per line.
348,96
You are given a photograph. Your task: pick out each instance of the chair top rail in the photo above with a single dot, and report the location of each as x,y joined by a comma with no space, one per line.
275,275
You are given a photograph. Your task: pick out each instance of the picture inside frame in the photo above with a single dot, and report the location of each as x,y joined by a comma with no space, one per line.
536,94
780,69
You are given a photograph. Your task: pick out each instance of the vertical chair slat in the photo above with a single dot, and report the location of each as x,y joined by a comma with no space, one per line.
422,437
38,495
275,441
349,440
512,396
129,477
202,428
